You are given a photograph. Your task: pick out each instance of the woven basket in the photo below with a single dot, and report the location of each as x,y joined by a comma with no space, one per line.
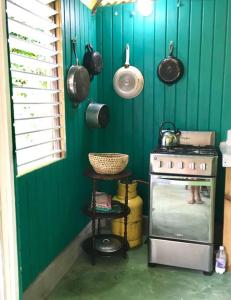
108,163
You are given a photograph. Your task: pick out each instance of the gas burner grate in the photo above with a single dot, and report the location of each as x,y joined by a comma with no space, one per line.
187,150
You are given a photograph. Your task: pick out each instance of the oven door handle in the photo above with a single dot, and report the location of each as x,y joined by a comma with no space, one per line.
183,181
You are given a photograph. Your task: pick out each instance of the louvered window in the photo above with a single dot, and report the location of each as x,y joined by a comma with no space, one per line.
35,45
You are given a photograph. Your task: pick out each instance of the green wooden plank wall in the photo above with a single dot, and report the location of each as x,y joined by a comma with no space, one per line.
200,101
50,199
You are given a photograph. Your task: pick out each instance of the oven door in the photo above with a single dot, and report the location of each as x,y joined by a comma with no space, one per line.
182,208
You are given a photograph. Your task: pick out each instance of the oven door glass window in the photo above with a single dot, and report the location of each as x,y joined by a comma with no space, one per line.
182,208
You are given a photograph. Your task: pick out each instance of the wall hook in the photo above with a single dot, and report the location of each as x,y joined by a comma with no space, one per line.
179,3
171,48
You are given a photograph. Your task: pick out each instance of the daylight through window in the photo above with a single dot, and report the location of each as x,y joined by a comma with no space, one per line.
37,81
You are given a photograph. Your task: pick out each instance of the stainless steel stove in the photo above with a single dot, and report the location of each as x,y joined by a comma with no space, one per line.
182,199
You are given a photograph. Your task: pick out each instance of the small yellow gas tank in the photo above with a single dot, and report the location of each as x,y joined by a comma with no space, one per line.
135,218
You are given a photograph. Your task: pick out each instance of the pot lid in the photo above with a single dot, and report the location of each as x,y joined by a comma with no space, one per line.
109,244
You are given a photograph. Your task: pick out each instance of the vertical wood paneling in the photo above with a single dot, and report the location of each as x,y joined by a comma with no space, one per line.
50,199
24,234
206,64
194,64
149,70
159,54
171,35
182,52
225,120
138,105
107,74
199,101
128,105
116,63
219,43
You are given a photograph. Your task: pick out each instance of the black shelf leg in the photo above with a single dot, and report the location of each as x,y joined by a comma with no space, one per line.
99,226
93,223
125,222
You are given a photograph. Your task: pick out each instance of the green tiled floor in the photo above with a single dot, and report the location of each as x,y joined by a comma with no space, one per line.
132,279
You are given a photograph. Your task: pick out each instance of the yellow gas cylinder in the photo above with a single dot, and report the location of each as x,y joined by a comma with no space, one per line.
135,218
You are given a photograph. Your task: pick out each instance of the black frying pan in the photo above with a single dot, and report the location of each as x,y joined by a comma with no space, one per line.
170,69
92,61
78,80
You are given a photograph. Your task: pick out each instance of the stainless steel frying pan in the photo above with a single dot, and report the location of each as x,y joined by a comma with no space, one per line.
128,81
78,80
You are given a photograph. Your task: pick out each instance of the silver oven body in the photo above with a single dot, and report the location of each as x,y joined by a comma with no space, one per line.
180,233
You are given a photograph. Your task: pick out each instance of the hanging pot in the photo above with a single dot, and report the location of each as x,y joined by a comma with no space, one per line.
97,115
78,80
92,61
128,81
170,69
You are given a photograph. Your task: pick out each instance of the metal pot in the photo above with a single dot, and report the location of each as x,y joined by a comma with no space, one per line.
168,137
97,115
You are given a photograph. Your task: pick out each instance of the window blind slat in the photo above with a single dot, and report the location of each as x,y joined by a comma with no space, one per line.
40,130
31,76
39,158
32,17
30,32
46,1
36,118
38,144
30,63
36,7
37,103
32,90
30,47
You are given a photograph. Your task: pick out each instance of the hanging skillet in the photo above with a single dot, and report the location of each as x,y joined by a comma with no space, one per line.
170,69
128,81
92,61
78,80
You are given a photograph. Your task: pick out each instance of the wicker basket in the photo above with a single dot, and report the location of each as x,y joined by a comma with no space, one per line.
108,163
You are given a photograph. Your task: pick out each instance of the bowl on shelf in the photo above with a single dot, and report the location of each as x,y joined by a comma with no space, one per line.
108,163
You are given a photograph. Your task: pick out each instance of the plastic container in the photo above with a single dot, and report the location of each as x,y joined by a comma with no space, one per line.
220,266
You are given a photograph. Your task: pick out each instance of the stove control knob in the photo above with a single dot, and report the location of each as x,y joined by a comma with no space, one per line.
203,166
180,165
169,164
159,164
192,166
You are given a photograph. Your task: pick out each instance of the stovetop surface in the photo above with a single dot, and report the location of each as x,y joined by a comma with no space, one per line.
187,150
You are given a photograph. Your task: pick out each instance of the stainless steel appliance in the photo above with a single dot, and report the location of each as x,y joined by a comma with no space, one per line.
182,198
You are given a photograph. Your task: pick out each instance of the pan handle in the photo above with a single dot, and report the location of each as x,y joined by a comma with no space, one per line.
171,48
89,48
127,62
73,41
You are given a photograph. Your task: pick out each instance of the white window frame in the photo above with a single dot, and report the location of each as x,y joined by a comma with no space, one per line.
9,281
61,132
